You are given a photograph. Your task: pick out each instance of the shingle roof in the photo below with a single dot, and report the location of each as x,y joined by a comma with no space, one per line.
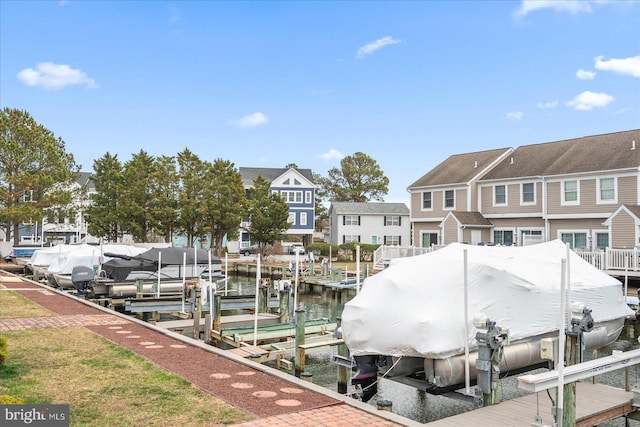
459,168
634,209
248,174
612,151
369,208
471,218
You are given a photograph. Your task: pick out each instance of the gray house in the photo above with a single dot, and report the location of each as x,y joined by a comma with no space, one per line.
372,223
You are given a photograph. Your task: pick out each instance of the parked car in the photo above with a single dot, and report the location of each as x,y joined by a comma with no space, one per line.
253,249
296,248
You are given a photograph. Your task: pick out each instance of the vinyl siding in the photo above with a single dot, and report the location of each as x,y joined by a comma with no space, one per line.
627,188
622,235
450,231
437,203
587,225
513,200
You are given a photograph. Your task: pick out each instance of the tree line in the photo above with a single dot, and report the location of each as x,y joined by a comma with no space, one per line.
154,198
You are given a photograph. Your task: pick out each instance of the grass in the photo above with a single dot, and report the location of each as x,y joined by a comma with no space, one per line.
104,384
14,305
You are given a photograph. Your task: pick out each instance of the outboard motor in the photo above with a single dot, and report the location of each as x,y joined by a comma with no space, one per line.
365,380
81,277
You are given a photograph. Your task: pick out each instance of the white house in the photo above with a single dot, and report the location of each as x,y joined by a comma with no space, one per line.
371,222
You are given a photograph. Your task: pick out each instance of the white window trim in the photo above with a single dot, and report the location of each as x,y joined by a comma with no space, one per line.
599,201
513,232
444,201
506,195
594,238
522,202
423,232
563,202
292,218
303,218
422,208
575,231
307,197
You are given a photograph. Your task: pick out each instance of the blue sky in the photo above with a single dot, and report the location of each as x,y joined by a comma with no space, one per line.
268,83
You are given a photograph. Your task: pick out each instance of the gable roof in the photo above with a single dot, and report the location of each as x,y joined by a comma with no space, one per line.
632,210
470,219
612,151
460,168
270,174
369,208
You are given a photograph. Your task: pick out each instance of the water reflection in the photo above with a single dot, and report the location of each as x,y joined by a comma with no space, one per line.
417,405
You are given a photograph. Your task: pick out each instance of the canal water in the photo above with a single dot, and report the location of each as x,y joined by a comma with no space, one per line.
415,404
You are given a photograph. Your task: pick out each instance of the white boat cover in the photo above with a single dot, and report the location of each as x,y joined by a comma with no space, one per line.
43,257
415,307
89,256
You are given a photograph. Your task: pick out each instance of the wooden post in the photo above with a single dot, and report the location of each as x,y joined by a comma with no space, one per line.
284,305
343,371
300,353
196,312
572,356
217,317
263,295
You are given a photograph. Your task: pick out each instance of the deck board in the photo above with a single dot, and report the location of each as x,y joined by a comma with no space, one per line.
592,400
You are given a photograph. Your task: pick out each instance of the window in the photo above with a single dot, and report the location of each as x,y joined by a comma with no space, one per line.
602,241
392,220
292,196
350,238
303,218
351,220
607,190
292,218
528,193
429,239
426,200
499,195
307,197
392,240
528,237
575,240
570,193
503,237
449,199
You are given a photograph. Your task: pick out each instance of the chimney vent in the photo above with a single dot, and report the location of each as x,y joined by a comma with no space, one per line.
633,144
475,165
512,160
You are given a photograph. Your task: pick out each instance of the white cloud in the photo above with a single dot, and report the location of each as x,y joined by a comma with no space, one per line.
629,65
588,100
55,76
571,6
585,74
550,104
514,115
332,154
373,46
251,120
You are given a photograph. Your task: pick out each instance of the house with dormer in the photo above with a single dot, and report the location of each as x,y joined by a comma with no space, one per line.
296,186
584,191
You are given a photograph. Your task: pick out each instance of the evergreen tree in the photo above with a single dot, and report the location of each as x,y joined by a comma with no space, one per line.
359,179
268,214
165,187
35,170
103,213
224,202
136,202
192,177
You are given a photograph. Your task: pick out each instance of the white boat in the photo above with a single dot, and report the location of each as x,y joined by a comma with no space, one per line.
40,260
409,323
60,267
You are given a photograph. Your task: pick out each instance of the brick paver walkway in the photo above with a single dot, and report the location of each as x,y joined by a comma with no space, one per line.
273,399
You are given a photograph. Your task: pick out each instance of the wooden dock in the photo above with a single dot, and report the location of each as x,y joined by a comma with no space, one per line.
595,403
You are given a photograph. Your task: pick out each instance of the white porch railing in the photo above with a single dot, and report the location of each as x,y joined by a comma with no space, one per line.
613,259
384,254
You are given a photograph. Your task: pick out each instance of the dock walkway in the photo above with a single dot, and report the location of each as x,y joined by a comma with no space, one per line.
595,403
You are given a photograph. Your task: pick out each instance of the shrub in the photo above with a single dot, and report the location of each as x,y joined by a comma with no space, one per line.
322,249
10,400
4,353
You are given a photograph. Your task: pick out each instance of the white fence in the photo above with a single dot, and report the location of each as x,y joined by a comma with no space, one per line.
613,259
610,259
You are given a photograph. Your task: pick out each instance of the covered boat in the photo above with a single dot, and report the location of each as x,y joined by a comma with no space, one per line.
409,320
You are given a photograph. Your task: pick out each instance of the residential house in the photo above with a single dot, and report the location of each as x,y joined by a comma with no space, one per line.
298,190
584,191
372,222
57,226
